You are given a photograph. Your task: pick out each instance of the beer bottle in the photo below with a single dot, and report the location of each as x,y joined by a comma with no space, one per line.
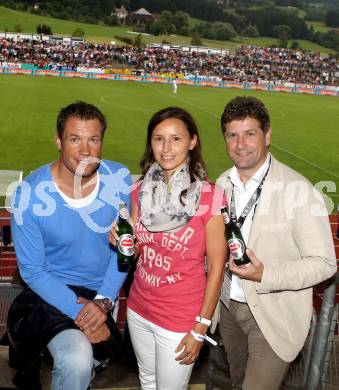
234,239
125,244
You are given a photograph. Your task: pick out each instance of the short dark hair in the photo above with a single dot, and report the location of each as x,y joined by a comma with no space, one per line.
197,166
242,107
82,110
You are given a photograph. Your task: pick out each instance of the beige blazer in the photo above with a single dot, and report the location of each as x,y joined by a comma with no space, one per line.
291,235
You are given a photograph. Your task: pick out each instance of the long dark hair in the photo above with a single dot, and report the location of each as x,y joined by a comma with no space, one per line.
197,168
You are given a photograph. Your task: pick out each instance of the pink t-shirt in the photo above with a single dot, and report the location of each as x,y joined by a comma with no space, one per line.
169,281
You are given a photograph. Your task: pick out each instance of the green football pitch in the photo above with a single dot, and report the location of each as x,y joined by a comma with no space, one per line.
305,127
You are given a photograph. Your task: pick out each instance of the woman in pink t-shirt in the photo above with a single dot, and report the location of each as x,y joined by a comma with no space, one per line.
177,222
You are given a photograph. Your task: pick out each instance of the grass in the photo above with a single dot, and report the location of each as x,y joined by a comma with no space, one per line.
319,26
268,41
313,47
304,126
105,34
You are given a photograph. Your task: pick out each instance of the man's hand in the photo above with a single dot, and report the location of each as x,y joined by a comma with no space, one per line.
101,334
251,271
91,317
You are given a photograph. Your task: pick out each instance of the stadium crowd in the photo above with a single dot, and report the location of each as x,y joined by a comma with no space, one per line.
249,63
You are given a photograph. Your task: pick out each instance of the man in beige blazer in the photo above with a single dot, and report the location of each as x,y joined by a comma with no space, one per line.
265,317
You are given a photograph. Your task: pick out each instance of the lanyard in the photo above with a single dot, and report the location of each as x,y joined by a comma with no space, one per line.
254,198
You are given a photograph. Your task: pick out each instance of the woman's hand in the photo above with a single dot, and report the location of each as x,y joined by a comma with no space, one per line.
113,238
191,348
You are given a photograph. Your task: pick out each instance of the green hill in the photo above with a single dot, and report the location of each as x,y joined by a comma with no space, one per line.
100,33
28,22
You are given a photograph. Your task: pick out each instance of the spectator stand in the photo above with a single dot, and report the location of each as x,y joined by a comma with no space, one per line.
250,67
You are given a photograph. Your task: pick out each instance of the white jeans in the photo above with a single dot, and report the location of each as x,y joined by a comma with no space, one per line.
154,348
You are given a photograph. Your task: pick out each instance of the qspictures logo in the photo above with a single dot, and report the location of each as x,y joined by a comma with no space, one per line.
40,198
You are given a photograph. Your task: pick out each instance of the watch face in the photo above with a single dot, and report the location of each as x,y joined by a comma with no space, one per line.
107,304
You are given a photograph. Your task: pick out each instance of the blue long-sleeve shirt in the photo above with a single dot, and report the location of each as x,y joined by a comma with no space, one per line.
58,245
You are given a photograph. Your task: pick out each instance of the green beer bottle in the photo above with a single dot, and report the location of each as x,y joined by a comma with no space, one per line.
125,244
235,239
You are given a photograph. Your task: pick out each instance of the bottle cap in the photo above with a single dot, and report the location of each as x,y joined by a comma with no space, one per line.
226,215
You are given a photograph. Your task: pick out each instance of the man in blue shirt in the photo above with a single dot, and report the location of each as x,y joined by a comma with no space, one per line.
62,213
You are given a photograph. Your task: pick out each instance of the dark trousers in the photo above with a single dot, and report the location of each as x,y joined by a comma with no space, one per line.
253,363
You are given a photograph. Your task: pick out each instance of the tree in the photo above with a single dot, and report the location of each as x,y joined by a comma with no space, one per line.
332,18
251,32
238,21
78,32
223,31
217,30
331,39
294,45
44,29
196,40
206,30
111,20
314,14
283,33
138,41
311,32
291,3
180,21
161,27
266,18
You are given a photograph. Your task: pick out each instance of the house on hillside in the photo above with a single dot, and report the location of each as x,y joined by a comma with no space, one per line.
122,14
141,16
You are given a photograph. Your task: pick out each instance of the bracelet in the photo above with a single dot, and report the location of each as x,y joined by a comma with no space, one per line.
203,320
197,336
201,338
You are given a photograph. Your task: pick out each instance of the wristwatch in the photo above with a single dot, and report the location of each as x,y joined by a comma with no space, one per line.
105,303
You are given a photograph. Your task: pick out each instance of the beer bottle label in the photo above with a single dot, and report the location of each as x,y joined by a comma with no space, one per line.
126,244
237,248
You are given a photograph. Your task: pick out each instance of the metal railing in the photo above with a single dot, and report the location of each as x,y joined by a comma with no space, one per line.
324,338
317,365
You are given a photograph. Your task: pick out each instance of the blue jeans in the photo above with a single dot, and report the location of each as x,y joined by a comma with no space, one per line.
73,360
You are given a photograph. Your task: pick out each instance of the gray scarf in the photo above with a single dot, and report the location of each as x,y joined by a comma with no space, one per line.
160,204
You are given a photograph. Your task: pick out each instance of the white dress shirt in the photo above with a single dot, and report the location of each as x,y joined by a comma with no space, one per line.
242,194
